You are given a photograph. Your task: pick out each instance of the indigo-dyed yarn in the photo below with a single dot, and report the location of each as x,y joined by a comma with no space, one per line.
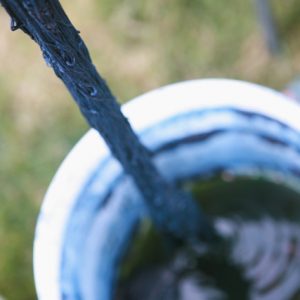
63,49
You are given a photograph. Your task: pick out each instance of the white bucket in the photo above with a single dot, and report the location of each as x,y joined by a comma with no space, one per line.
194,129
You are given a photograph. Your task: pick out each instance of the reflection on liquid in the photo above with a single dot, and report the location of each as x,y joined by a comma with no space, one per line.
260,259
269,253
263,263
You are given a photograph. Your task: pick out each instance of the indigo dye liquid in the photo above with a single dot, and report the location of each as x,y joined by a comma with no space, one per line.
259,257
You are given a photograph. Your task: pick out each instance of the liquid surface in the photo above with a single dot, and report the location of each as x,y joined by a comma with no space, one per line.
260,259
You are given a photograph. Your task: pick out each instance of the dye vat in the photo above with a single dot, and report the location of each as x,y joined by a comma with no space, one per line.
236,146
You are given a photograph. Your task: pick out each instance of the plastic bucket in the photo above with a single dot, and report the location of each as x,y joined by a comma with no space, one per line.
194,129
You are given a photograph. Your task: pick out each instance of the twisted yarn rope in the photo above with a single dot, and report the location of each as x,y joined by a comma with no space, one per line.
47,24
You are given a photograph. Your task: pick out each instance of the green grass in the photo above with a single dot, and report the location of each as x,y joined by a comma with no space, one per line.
138,46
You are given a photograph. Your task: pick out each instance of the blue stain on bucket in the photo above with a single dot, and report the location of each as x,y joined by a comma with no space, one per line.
247,147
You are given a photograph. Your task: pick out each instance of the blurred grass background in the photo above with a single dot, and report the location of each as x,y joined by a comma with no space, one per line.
137,45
